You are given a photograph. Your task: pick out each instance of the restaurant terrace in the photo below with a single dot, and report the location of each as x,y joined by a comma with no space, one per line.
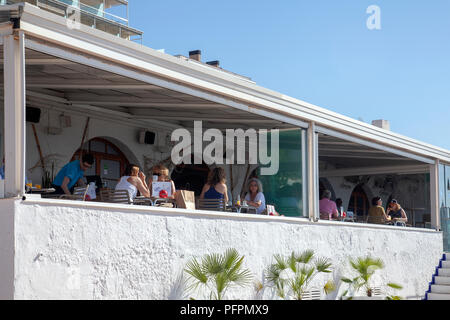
68,91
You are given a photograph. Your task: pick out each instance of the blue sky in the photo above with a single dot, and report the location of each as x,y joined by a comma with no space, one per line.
322,52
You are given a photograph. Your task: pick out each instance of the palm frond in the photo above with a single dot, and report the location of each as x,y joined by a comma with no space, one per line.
231,257
395,286
273,274
213,264
280,262
323,265
195,270
305,256
292,262
347,280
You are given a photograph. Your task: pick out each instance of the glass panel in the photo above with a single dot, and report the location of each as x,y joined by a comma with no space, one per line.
285,189
110,173
442,196
111,150
444,199
447,186
91,171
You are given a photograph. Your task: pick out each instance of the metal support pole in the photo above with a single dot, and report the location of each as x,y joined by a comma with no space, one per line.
313,173
14,88
434,196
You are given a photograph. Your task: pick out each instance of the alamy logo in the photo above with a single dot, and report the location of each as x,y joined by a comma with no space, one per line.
209,146
374,21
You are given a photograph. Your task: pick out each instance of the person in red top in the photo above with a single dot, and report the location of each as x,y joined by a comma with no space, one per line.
328,209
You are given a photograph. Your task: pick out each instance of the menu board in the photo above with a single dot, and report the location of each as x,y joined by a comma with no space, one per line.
157,187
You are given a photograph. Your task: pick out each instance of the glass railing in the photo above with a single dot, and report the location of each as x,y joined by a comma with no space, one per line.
88,15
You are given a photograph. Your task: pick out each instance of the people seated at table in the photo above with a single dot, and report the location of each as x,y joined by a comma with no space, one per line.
72,174
377,214
396,212
133,180
255,197
327,207
215,187
162,173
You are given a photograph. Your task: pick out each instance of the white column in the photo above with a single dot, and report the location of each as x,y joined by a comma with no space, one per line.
14,88
434,196
313,173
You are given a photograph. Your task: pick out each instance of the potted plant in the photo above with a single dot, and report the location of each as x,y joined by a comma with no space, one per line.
365,268
216,273
292,276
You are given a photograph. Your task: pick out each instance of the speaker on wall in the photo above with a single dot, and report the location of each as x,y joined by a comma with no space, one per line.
146,137
33,114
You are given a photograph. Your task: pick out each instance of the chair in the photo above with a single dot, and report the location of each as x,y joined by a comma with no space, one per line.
79,194
116,196
400,223
426,221
324,216
376,219
211,204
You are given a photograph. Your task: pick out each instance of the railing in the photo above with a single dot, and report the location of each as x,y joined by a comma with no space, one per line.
81,7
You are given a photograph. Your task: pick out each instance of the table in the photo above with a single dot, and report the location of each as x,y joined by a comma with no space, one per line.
345,219
239,209
34,190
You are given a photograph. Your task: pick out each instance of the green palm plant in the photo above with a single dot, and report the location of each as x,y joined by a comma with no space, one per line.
365,268
217,273
291,276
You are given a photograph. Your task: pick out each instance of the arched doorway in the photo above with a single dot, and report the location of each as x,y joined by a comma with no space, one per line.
359,203
109,165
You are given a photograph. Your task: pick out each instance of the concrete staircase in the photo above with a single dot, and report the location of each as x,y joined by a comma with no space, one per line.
440,286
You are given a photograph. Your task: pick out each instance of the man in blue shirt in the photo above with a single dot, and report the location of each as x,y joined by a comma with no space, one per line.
71,174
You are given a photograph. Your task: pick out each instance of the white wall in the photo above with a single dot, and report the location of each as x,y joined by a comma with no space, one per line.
68,250
6,249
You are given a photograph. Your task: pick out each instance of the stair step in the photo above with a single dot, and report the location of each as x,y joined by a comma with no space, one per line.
444,272
438,296
446,264
440,289
443,281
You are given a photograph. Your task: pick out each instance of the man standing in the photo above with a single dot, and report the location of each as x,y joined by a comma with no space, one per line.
71,174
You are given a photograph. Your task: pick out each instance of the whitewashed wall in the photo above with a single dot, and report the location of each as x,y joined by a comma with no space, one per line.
73,251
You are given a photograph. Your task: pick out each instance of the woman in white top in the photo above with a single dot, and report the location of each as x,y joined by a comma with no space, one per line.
133,181
255,197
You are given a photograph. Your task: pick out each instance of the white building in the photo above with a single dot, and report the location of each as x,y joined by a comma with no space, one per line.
91,86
